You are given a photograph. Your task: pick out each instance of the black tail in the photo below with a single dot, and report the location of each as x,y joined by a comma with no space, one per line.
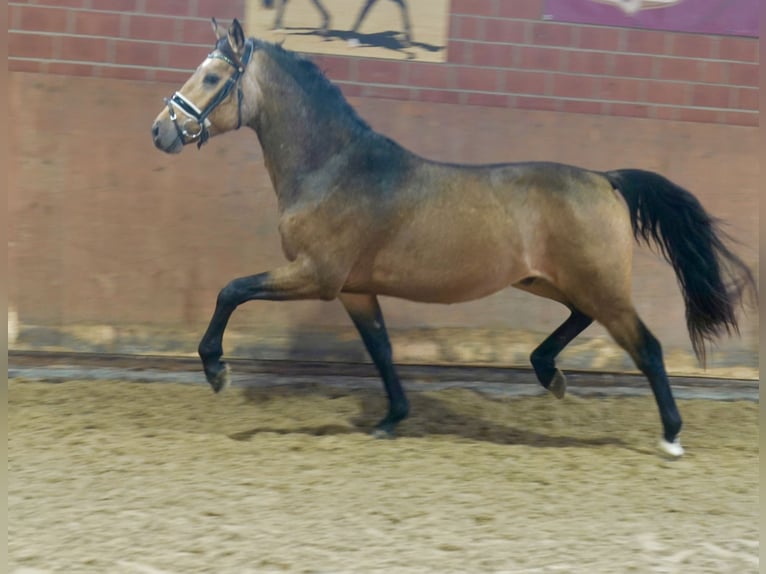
712,278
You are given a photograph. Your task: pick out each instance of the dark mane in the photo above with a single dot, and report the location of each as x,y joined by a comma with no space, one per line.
313,82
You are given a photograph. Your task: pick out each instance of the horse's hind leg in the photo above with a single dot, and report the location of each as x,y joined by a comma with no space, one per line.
543,358
365,312
632,335
279,15
325,27
405,21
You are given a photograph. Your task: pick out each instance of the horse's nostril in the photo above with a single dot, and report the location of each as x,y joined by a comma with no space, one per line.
155,130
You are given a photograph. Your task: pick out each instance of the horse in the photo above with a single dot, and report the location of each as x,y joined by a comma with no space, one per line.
361,216
325,26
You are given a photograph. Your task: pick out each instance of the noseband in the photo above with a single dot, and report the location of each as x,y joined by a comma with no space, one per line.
200,134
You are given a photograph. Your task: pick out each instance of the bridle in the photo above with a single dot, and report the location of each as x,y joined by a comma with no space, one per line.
194,114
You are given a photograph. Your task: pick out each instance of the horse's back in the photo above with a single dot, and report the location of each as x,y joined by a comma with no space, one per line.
460,232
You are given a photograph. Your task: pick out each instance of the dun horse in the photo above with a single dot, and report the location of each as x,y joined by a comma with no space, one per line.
360,216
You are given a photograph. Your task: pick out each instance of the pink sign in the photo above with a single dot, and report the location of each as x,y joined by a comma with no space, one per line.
720,17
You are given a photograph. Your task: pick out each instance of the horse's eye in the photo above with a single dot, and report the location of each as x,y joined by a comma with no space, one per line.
211,79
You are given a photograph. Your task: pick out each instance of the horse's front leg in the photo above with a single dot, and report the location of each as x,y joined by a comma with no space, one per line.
365,312
297,280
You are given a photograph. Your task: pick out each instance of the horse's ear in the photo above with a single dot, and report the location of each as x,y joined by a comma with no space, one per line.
218,30
236,37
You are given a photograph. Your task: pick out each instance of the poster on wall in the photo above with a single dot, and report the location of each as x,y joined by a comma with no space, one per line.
394,29
720,17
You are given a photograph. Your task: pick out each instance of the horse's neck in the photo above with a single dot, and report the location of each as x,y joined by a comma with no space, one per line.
298,140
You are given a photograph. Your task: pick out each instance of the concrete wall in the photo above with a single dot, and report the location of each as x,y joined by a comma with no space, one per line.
115,246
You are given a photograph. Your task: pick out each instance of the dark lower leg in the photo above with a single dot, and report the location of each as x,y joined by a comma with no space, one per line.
405,19
543,358
325,14
290,282
362,15
648,358
368,319
280,13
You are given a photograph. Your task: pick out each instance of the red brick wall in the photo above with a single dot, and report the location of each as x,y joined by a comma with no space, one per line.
500,53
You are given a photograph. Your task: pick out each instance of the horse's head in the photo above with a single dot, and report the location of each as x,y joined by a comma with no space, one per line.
211,101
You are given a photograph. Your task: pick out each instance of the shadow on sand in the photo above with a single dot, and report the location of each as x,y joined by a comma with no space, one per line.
429,416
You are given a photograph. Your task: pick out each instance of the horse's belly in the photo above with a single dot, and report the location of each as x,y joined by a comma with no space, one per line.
440,272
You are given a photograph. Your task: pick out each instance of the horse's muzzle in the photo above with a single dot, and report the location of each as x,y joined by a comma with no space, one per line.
165,137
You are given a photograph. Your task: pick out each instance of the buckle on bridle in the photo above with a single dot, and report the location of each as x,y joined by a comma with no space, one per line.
199,117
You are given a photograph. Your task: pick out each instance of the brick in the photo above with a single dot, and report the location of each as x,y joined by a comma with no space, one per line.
537,103
97,23
549,34
478,7
155,28
746,98
711,96
84,49
471,28
629,110
429,75
525,82
380,71
713,72
336,68
177,8
14,17
495,55
749,119
115,5
743,74
29,45
33,18
677,69
667,93
62,3
539,58
621,89
477,79
33,66
582,107
633,65
528,9
738,49
459,52
124,73
185,57
572,86
499,30
587,62
194,32
692,45
599,38
645,41
227,10
386,92
488,100
453,28
128,52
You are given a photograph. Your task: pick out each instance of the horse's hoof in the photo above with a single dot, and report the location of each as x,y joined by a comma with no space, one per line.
380,433
221,379
672,449
558,385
